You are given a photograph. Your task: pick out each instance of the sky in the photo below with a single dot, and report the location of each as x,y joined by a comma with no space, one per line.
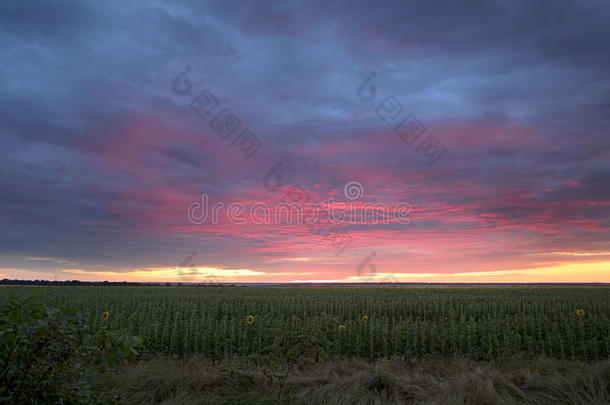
454,142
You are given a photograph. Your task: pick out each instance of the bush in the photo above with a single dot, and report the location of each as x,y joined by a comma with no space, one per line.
50,355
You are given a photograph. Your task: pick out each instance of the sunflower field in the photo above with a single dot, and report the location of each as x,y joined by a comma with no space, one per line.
365,322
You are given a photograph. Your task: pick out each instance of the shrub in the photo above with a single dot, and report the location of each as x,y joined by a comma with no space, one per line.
50,355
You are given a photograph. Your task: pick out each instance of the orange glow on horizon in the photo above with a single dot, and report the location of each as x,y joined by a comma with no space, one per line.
591,272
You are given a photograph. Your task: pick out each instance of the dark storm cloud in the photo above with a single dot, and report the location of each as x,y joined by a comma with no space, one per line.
99,156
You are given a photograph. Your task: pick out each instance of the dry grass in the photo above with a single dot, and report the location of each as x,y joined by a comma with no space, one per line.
395,381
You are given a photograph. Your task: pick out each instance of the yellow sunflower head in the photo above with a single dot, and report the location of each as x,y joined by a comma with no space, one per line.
365,319
341,327
250,319
580,312
105,315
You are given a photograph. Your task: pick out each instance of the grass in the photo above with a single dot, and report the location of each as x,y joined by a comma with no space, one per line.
198,380
252,345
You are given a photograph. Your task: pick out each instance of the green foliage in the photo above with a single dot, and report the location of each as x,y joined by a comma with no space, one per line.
300,325
300,346
49,354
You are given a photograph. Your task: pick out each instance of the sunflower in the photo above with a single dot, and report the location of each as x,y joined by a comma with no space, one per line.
105,316
341,327
250,319
365,319
580,312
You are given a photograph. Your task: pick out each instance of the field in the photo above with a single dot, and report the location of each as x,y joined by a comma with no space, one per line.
255,345
369,323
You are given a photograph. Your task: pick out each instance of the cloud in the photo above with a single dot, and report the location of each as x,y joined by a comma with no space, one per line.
100,159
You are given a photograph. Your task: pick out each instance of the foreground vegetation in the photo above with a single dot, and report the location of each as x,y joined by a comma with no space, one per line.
50,355
198,380
481,323
244,345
